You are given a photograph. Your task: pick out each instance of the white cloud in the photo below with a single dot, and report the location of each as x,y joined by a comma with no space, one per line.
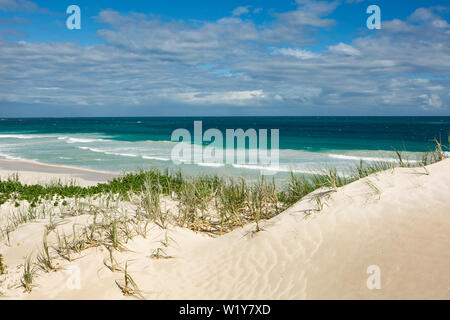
245,97
310,13
240,11
431,101
428,16
20,5
298,53
345,49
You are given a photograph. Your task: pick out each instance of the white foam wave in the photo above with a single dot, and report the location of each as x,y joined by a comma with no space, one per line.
124,154
207,164
109,152
284,168
80,140
155,158
20,136
9,157
92,149
369,159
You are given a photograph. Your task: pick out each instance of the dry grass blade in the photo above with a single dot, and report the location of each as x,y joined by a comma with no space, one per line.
113,266
29,271
159,254
129,286
44,259
2,265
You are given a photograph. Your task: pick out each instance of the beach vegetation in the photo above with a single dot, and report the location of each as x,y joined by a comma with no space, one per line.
372,186
206,203
2,265
44,259
129,286
29,272
159,253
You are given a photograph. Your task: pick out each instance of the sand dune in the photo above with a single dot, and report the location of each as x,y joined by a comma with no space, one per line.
396,222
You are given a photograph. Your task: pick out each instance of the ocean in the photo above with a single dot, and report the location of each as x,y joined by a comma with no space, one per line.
307,144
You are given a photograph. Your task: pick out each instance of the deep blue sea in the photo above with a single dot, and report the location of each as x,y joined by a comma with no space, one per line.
306,143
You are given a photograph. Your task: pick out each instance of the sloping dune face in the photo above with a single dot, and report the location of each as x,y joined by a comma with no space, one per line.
383,237
393,227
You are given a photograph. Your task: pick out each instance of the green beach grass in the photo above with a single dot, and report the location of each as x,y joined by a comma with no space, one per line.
236,201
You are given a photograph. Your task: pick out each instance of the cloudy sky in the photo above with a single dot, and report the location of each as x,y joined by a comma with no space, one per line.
199,57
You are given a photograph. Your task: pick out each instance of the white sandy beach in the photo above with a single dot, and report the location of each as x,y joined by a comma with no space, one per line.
399,222
32,172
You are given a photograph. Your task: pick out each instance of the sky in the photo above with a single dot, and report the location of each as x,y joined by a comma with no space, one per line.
224,58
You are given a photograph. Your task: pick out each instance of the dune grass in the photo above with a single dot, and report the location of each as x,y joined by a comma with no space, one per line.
2,266
129,286
29,272
45,259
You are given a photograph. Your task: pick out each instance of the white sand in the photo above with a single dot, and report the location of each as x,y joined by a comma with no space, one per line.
404,230
31,172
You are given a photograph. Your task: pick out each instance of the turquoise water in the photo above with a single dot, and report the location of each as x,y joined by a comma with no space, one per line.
128,144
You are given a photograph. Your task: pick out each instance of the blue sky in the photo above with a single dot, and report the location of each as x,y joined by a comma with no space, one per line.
296,57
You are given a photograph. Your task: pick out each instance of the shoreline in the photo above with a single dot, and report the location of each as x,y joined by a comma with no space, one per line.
33,172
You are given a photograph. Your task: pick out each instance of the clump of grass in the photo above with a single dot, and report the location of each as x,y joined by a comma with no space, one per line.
297,188
374,188
2,265
29,272
63,248
438,152
159,253
78,242
231,203
400,159
262,202
141,227
52,225
114,266
166,240
44,259
364,169
332,179
113,235
319,203
90,231
6,233
150,202
129,286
